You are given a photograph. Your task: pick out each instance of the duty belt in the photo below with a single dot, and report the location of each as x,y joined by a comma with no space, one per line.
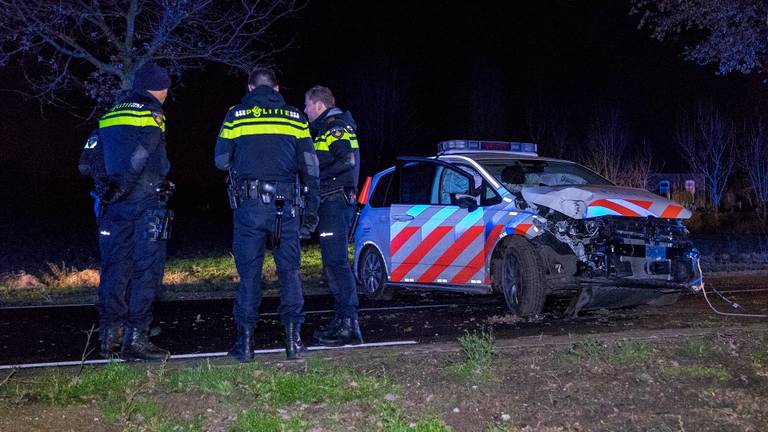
268,192
264,190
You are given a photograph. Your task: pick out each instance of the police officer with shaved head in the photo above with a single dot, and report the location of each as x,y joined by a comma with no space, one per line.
336,145
134,222
265,144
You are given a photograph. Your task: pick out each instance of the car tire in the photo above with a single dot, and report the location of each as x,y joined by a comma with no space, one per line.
373,275
522,279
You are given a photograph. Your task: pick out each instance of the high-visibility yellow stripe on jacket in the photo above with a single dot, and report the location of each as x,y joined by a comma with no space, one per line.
298,124
129,117
264,126
323,143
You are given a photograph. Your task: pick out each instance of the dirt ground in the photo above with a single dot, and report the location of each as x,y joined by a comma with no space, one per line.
673,380
556,385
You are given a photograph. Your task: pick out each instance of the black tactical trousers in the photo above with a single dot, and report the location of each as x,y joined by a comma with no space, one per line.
132,265
253,222
335,222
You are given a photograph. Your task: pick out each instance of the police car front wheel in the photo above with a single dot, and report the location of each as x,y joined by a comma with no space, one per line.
522,281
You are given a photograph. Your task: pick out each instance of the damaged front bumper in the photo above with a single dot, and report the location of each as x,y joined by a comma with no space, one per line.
645,288
681,273
633,261
642,252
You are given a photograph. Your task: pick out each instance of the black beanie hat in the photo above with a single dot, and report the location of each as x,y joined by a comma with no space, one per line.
151,77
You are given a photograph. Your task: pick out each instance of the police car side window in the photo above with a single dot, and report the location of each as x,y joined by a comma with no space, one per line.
451,183
488,196
380,196
416,183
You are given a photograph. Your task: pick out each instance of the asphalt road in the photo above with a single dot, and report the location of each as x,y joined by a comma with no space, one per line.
49,334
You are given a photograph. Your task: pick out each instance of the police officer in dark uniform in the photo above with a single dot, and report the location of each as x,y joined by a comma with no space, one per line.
266,147
134,222
337,150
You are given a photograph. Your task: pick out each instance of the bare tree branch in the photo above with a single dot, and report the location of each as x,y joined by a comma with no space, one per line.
8,377
706,143
609,152
636,170
86,351
607,143
96,46
754,160
730,33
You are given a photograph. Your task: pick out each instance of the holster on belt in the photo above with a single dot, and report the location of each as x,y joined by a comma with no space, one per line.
267,192
273,241
234,202
350,195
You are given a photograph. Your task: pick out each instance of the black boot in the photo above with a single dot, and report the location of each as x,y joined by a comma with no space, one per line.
328,329
294,348
243,349
348,333
110,340
136,346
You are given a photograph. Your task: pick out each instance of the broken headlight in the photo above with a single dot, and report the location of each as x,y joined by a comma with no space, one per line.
573,208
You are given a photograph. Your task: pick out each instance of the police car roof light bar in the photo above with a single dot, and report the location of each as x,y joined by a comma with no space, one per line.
507,146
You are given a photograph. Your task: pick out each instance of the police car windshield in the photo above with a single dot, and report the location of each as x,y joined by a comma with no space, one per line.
517,173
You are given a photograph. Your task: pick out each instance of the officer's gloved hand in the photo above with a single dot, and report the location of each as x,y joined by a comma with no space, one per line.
114,191
308,224
165,190
166,187
100,185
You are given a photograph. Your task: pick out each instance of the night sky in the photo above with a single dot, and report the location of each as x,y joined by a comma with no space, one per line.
411,73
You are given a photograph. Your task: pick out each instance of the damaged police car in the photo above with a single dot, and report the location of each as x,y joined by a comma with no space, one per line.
484,217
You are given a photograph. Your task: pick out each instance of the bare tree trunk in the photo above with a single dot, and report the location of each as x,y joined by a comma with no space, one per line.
606,143
753,159
636,169
706,143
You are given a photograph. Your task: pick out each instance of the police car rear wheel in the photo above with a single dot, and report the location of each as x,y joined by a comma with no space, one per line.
522,281
373,275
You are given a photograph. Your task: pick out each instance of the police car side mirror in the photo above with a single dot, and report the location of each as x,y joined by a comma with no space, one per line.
464,201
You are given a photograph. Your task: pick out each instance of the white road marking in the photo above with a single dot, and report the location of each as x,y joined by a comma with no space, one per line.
263,314
205,355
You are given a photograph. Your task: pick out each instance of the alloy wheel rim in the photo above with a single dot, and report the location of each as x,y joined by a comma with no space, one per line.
511,280
372,272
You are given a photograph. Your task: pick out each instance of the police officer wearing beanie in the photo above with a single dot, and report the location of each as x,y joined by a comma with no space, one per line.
132,133
339,155
265,144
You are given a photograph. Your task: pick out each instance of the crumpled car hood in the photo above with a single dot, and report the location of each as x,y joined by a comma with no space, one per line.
589,201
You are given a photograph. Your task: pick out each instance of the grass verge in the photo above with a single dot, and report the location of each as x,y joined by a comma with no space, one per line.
60,388
257,421
412,394
718,373
217,380
391,419
478,350
321,382
181,274
625,353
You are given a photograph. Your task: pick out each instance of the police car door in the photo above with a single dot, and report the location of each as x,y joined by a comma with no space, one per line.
436,226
